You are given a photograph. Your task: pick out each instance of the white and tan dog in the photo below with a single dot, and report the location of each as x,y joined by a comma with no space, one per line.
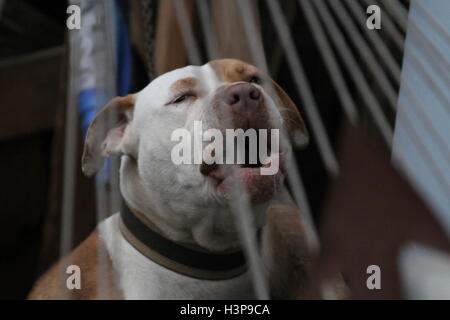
185,208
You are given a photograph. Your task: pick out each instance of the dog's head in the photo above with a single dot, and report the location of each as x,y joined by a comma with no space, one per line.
222,94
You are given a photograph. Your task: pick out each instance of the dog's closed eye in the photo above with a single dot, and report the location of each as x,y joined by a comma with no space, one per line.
181,98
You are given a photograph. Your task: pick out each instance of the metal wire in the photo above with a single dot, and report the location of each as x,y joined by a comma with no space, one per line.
423,42
243,216
107,189
411,95
293,174
355,72
333,67
365,52
418,63
69,170
301,81
241,208
391,30
395,9
377,43
433,165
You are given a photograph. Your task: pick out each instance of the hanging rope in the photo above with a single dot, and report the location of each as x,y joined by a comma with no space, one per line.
149,9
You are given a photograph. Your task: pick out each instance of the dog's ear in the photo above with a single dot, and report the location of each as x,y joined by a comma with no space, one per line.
293,120
106,134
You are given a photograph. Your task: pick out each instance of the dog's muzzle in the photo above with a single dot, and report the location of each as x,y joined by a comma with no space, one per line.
244,104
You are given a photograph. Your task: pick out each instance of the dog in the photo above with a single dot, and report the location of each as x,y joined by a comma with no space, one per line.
176,236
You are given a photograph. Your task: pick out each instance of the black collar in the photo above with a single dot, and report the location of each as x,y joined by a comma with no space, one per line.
195,263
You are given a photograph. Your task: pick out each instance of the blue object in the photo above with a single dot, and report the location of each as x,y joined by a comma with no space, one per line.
89,101
123,51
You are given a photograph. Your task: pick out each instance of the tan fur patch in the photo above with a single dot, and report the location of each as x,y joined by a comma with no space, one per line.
186,83
231,70
51,286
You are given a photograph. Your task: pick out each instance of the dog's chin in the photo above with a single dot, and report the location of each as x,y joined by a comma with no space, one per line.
228,181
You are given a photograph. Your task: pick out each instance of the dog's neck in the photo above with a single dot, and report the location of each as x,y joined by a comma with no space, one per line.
149,204
137,198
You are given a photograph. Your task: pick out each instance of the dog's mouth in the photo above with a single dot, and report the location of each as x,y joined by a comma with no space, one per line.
261,179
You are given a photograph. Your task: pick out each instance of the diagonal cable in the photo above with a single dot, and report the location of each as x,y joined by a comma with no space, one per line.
377,43
355,72
331,62
303,87
364,51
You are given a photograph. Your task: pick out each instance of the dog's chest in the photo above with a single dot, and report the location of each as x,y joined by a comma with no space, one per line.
141,278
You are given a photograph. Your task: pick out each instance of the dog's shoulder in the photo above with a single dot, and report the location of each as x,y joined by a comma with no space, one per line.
52,285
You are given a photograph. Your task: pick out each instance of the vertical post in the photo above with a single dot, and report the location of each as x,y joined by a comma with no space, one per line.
170,52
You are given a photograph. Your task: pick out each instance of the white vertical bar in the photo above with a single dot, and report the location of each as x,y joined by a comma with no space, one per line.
293,174
241,208
70,143
245,224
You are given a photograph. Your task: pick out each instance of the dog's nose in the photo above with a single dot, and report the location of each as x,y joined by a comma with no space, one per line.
243,97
